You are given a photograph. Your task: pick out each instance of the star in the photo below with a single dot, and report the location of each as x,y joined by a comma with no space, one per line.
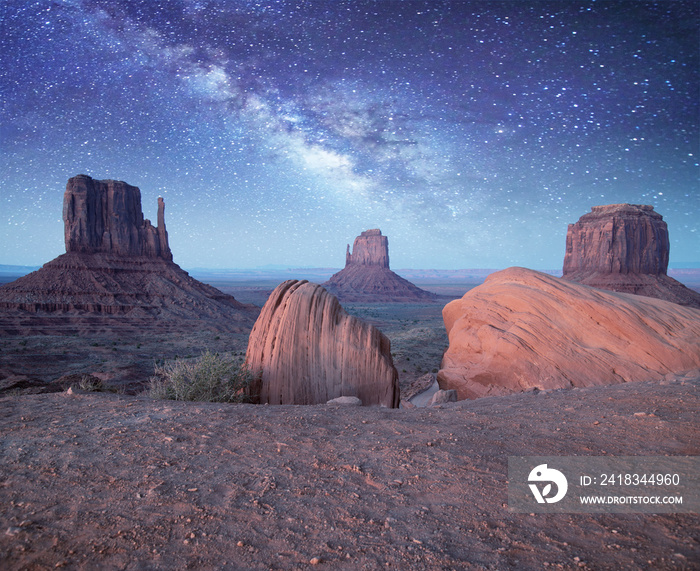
471,133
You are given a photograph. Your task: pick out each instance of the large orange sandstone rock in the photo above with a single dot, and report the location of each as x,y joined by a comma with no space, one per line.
367,277
523,329
624,248
307,350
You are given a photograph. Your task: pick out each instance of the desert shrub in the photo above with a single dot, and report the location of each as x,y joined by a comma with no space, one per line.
211,377
91,384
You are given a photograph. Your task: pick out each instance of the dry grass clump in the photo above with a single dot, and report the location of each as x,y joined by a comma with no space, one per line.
211,377
91,384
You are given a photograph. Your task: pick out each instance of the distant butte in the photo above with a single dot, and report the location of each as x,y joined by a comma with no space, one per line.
624,248
367,277
117,272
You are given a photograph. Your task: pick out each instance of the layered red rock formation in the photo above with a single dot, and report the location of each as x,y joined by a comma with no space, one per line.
367,277
308,350
523,329
624,248
105,216
117,272
369,249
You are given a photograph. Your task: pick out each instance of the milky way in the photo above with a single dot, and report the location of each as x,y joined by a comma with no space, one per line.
471,133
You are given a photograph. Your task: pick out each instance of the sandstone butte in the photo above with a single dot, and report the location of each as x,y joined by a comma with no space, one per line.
118,267
367,277
306,349
624,248
523,329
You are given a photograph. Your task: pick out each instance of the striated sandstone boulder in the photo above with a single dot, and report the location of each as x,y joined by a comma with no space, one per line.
624,248
117,272
523,329
307,350
367,277
105,216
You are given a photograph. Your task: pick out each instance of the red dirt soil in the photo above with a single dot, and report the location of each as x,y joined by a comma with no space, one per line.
102,481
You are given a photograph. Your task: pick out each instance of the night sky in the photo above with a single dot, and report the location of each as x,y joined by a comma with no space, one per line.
471,133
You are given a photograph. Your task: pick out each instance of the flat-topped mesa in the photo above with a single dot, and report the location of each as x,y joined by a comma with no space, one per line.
617,239
369,249
105,216
624,248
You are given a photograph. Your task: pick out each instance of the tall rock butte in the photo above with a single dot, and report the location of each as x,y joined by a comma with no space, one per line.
367,277
117,272
523,329
624,248
307,350
105,216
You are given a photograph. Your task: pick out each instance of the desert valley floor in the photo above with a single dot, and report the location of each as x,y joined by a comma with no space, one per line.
119,481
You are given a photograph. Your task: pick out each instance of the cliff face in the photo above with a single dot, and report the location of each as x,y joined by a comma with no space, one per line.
369,249
308,350
104,216
523,329
624,248
617,239
367,277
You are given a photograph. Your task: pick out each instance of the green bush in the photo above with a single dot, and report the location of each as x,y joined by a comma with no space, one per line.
211,377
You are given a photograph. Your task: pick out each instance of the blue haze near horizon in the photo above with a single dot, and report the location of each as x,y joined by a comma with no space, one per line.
470,132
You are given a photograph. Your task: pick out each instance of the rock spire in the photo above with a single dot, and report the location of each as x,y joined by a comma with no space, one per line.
369,249
117,272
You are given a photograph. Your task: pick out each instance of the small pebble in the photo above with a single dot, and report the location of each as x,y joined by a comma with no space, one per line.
315,561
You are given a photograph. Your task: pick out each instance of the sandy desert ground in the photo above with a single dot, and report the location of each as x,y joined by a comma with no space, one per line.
119,481
100,481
